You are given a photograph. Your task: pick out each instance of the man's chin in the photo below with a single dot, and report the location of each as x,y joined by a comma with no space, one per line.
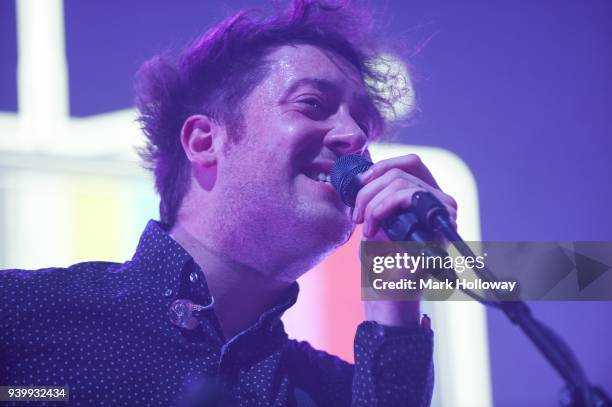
333,232
323,224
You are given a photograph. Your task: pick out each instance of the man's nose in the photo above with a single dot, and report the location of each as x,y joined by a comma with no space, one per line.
346,137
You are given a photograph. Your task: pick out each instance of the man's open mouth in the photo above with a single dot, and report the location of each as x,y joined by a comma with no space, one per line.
318,176
319,171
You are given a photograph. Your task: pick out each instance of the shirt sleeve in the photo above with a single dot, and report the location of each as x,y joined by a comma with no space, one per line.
393,366
325,378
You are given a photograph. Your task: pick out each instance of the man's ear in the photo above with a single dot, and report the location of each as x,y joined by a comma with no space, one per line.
200,137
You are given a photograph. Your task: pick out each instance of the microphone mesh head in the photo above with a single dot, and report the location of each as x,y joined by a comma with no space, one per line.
344,176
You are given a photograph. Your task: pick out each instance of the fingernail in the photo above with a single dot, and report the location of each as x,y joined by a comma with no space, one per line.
366,229
355,215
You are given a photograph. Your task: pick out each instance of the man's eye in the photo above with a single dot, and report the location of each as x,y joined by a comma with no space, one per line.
311,102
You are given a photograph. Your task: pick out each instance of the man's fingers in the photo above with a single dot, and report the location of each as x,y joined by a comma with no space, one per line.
389,186
394,197
389,190
389,205
388,202
375,186
410,163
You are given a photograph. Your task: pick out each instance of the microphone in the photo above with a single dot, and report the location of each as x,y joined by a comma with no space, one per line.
419,223
426,216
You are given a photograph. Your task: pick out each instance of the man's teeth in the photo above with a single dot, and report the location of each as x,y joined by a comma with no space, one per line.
322,177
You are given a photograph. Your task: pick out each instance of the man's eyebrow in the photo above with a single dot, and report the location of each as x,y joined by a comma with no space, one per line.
319,83
363,99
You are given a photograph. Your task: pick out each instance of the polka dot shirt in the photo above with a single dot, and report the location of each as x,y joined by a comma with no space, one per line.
113,333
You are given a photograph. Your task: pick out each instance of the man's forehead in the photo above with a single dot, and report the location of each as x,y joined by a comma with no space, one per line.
309,65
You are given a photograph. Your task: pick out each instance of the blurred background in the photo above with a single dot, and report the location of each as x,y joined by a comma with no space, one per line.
516,94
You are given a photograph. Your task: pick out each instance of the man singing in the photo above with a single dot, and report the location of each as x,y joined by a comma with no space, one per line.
242,128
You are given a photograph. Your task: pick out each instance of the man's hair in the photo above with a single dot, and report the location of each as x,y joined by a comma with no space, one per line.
218,71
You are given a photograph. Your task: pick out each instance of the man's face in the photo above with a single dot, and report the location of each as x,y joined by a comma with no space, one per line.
311,108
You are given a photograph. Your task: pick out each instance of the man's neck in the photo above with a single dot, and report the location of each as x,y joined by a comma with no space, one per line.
241,293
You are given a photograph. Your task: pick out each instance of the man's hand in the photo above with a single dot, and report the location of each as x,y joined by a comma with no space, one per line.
388,188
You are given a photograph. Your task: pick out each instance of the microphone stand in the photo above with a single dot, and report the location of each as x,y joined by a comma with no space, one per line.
427,210
428,216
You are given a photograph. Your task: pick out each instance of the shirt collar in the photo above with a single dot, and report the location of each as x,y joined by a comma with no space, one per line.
161,259
155,242
157,247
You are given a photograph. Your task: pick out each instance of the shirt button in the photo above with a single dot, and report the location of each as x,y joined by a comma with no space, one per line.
167,292
193,277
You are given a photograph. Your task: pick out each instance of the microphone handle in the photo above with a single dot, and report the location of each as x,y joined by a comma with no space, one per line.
405,226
